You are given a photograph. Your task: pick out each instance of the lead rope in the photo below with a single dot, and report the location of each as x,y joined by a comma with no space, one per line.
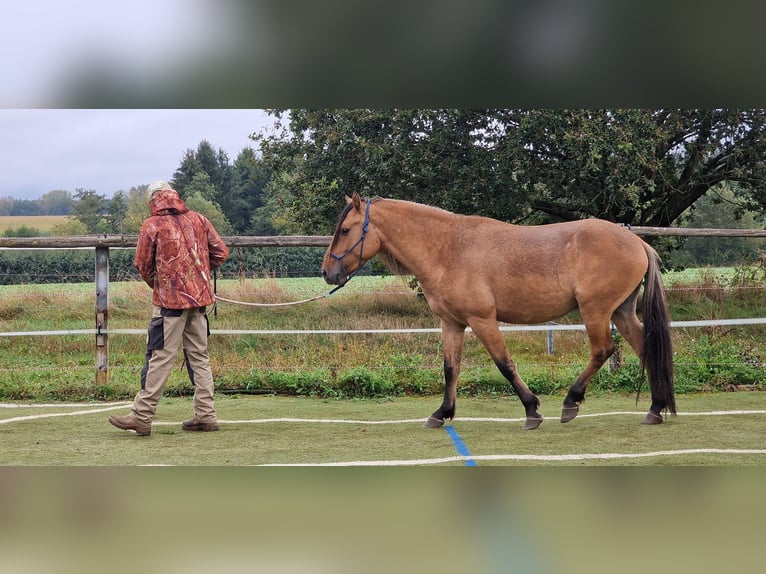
365,227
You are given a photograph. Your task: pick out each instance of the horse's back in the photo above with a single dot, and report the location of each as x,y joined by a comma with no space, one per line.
545,248
539,273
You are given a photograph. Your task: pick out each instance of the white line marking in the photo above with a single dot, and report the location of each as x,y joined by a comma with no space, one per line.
51,415
105,407
457,419
315,421
57,405
529,457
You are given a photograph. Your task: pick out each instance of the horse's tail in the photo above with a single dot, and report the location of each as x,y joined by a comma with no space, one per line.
658,348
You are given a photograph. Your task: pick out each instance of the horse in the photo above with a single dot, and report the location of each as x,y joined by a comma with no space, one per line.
476,271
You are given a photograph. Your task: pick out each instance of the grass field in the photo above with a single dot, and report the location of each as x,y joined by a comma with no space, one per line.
684,490
41,222
306,431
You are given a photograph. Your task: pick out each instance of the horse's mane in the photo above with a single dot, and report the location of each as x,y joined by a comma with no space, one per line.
392,264
395,266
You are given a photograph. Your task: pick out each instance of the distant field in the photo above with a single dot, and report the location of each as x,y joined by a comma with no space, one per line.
41,222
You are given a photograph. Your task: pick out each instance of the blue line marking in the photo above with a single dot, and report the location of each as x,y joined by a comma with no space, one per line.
460,447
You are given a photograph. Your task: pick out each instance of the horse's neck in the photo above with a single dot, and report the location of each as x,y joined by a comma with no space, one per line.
415,234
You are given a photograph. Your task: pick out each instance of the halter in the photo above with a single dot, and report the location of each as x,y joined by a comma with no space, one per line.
339,258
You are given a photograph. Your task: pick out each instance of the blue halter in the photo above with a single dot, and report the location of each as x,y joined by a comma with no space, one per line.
339,258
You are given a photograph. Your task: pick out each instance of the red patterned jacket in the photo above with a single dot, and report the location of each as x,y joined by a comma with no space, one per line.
177,249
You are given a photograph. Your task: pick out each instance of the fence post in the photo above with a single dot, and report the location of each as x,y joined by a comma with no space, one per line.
102,314
550,341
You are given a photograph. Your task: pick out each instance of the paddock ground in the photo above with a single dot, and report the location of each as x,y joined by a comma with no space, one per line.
77,494
722,429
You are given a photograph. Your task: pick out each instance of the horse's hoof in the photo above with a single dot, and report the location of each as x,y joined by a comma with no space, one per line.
568,413
651,419
533,422
433,423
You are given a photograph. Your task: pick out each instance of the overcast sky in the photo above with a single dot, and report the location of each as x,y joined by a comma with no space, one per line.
110,150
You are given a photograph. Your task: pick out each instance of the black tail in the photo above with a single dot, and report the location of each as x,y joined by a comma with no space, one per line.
658,347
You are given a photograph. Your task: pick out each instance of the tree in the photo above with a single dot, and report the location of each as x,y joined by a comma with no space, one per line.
719,208
643,167
245,197
56,202
209,173
70,227
440,157
204,159
25,207
6,205
136,209
200,185
118,209
89,209
187,170
197,202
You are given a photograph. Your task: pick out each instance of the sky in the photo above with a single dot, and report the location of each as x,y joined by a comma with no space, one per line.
111,150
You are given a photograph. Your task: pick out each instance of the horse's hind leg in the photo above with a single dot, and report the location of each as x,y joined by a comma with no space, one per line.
452,341
489,334
601,348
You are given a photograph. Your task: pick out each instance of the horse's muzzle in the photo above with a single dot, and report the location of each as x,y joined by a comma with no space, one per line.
336,278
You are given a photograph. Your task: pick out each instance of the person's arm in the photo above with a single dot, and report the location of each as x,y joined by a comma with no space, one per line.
144,260
217,249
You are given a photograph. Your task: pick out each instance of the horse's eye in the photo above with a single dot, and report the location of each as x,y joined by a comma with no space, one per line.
344,231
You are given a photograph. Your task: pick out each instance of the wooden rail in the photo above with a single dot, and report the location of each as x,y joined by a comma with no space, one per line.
128,241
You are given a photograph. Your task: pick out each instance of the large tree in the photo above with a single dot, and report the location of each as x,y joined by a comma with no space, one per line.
643,167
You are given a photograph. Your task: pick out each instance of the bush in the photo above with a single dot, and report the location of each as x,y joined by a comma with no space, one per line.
362,383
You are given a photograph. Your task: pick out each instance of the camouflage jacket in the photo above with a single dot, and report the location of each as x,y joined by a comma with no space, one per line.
177,249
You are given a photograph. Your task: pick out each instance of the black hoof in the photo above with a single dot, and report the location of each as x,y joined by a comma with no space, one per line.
533,422
433,423
568,413
652,419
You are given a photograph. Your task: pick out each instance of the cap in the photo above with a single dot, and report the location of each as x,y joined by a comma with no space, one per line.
153,188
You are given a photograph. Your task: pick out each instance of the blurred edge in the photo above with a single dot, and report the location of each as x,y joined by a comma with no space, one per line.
526,520
574,53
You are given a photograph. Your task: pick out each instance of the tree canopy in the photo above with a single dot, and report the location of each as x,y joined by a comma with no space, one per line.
641,167
232,193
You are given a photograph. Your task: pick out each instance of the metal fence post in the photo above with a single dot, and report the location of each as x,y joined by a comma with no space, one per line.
102,314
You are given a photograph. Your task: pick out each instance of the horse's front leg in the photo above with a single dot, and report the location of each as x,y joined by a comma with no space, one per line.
452,340
489,334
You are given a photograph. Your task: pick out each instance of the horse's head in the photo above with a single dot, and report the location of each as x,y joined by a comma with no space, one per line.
353,242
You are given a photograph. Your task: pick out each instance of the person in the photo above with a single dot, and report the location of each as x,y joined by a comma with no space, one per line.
176,252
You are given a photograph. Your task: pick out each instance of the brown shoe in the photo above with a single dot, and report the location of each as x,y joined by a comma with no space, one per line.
130,422
196,424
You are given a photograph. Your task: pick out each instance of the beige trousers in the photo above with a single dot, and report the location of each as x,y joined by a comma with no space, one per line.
169,328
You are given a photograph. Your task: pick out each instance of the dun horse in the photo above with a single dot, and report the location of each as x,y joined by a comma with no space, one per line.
476,271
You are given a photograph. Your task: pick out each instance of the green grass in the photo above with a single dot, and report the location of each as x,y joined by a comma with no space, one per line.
87,439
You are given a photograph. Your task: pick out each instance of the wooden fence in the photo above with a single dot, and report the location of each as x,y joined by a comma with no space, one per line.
103,243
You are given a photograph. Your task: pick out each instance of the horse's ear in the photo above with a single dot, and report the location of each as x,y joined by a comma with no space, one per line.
356,200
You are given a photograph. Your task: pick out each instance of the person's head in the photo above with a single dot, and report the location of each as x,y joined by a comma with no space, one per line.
155,189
